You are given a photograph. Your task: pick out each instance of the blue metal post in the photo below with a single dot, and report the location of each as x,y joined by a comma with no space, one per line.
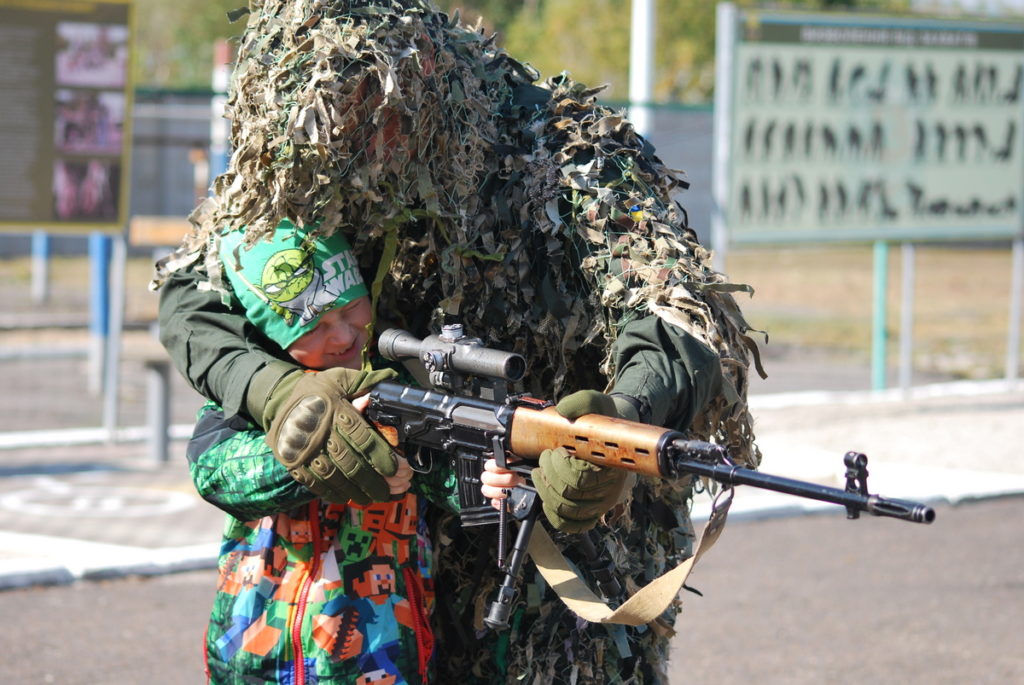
40,267
99,308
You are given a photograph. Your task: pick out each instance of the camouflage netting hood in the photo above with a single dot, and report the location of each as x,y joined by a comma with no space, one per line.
417,138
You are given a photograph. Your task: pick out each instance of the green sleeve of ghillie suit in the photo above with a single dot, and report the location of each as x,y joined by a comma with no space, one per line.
218,352
670,372
212,344
233,468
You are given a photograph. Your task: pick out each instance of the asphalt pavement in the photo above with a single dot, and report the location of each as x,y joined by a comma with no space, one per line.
786,601
123,551
83,512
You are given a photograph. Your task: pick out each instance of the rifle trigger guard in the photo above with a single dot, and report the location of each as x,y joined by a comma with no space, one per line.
421,460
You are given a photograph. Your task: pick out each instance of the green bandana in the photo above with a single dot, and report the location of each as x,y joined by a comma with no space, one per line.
288,282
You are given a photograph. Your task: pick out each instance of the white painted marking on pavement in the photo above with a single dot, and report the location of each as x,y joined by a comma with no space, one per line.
53,499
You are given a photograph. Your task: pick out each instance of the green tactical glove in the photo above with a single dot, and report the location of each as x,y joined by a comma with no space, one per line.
575,493
323,441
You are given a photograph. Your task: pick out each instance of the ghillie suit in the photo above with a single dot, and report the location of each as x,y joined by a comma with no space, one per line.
530,213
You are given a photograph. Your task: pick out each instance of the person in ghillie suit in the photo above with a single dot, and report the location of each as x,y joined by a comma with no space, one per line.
526,211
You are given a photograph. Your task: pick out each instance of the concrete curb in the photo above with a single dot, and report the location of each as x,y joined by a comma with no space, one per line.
808,398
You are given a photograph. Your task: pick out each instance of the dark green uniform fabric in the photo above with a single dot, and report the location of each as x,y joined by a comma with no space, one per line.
212,343
220,353
672,374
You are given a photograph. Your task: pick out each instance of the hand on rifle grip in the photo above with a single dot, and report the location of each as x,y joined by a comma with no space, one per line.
323,440
576,494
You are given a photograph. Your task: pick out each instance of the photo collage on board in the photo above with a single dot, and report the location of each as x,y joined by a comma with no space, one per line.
91,68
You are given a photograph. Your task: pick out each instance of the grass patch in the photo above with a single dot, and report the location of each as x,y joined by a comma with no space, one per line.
805,297
823,297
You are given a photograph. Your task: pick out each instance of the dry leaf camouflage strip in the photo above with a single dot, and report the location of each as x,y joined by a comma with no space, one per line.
529,212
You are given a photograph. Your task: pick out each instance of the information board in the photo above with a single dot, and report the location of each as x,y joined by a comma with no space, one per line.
65,122
851,128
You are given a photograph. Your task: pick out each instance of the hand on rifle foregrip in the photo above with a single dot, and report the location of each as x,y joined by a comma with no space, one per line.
576,493
323,440
496,483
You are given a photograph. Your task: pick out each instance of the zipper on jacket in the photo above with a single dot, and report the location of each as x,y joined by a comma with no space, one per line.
206,656
424,635
300,608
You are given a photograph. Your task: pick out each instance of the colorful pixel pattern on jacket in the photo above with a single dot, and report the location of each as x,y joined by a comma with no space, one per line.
308,591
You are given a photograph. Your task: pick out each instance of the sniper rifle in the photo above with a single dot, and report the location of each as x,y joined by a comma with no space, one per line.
466,414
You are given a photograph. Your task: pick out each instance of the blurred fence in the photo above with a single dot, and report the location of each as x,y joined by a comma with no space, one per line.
48,356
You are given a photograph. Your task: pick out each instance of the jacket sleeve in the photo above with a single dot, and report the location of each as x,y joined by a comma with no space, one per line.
233,469
671,373
213,345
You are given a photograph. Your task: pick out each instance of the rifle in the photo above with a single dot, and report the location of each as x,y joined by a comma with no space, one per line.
468,415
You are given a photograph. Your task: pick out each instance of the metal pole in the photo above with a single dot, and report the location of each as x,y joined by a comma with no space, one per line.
725,32
99,303
219,126
40,267
158,409
907,318
641,65
879,334
1016,286
113,348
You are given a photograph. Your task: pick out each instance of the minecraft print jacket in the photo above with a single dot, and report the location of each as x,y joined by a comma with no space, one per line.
308,591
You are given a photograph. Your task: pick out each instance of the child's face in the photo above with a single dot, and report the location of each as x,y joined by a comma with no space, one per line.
338,339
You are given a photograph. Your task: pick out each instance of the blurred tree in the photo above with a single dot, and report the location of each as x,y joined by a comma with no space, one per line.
174,40
588,38
495,14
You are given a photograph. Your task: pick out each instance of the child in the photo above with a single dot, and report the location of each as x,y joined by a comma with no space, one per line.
309,584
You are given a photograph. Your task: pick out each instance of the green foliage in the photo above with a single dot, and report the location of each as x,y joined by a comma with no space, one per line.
496,15
588,38
174,40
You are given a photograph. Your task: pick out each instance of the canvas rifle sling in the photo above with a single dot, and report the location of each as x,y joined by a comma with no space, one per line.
649,601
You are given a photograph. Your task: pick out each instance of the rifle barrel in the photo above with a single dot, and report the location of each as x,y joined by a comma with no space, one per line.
872,504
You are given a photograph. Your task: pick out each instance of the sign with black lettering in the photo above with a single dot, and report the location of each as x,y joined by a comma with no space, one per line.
850,128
